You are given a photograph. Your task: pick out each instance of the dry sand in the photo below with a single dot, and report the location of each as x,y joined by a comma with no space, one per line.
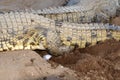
6,5
28,65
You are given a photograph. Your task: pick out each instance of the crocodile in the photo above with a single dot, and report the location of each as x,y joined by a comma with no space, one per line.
17,23
23,30
101,11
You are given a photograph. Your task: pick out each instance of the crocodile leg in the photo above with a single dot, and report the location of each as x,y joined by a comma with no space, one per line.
54,44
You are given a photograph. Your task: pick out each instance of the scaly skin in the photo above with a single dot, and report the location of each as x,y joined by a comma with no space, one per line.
16,33
30,31
83,35
98,11
101,11
74,14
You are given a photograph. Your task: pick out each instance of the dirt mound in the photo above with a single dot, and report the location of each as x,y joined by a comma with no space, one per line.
100,62
28,65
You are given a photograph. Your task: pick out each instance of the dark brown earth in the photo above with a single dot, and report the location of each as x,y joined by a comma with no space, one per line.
100,62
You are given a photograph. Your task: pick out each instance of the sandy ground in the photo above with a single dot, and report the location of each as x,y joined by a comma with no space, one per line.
28,65
6,5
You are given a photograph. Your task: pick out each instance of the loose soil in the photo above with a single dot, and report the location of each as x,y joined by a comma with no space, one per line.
100,62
